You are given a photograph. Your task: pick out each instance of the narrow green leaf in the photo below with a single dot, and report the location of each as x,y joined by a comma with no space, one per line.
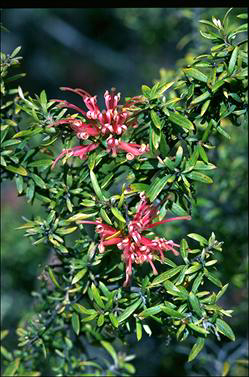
196,74
196,349
194,302
64,231
181,121
205,107
202,166
202,154
82,310
76,323
146,91
109,348
201,98
53,278
39,181
4,333
223,132
128,311
197,328
40,163
163,87
171,312
226,368
166,275
156,119
178,210
19,183
6,354
224,329
139,329
81,216
18,170
217,85
118,214
150,311
96,187
8,143
101,320
30,191
157,186
96,296
179,154
105,216
15,52
43,99
198,280
113,319
197,176
198,238
155,137
79,276
196,267
213,278
242,16
27,133
221,292
233,60
184,250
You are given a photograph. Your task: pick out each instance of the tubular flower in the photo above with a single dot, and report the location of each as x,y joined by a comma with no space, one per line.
134,246
102,125
79,151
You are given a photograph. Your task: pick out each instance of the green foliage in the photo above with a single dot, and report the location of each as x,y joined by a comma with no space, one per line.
81,301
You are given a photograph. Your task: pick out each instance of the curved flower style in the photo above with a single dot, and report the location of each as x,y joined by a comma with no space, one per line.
135,247
107,124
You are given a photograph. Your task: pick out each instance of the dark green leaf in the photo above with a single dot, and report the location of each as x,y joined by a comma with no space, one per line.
128,311
157,186
201,98
171,312
79,276
18,170
39,181
150,311
196,74
181,121
194,302
224,329
96,296
198,238
196,176
96,187
233,60
40,163
197,328
197,347
166,275
156,119
53,278
110,350
76,323
118,214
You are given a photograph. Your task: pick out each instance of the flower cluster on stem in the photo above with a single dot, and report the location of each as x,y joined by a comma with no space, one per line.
107,125
135,247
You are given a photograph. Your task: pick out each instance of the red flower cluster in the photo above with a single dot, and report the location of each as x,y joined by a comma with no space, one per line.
106,124
135,247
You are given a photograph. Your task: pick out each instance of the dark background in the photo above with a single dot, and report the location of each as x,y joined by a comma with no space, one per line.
96,49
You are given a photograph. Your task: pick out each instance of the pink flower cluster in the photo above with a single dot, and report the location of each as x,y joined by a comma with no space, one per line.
136,247
107,125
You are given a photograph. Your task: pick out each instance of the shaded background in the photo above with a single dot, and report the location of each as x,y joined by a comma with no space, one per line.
96,49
